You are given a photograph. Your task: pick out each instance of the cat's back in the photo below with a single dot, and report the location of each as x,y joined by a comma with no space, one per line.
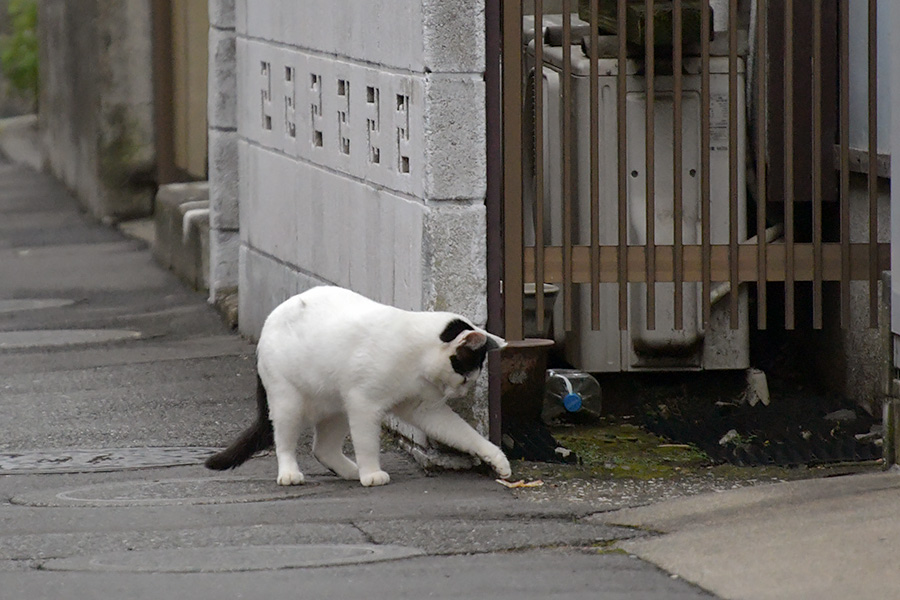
326,310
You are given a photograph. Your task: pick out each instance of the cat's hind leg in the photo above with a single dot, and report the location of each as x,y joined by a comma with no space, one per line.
328,445
286,411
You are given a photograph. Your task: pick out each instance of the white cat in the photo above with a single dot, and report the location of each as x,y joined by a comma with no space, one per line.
339,362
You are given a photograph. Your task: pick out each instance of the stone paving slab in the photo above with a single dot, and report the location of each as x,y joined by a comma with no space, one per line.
23,304
70,545
502,576
223,559
450,536
46,338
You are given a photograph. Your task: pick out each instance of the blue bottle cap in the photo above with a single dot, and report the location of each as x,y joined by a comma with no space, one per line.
572,402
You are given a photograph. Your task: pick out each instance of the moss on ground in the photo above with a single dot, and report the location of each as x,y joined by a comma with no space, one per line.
614,449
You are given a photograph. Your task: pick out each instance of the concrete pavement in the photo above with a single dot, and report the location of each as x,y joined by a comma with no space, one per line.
820,539
115,383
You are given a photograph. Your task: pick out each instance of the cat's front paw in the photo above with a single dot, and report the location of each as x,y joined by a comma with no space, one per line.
500,464
375,478
290,478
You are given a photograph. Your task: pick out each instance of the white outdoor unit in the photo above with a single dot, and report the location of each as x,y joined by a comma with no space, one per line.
637,348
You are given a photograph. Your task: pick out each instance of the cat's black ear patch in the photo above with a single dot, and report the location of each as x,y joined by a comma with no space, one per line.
466,360
453,329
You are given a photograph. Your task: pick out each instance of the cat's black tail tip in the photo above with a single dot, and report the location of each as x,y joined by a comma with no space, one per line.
220,462
255,439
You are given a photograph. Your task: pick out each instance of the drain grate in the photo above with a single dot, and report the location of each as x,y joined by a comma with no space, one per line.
796,429
98,460
169,492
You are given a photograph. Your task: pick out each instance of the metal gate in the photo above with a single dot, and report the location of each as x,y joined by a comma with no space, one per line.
787,222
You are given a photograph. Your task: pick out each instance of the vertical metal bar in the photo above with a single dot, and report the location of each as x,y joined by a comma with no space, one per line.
761,162
650,163
539,163
845,162
677,209
494,205
513,264
568,288
622,147
817,164
705,175
732,160
873,163
789,163
163,117
595,164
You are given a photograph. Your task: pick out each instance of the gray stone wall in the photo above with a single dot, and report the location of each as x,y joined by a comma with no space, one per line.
95,107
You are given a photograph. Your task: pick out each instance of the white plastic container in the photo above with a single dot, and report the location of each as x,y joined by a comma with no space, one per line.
570,391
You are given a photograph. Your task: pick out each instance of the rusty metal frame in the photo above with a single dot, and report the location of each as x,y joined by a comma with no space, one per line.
803,255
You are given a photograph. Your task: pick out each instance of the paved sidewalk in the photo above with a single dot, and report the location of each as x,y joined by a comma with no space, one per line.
833,538
115,383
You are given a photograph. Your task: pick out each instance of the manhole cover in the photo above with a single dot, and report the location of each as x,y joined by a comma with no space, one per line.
100,460
40,338
236,558
16,305
168,492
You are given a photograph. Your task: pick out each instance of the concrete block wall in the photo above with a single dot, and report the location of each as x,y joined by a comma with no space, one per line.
361,152
95,106
224,238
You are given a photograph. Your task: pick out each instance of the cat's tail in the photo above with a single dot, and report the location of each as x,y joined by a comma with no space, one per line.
258,436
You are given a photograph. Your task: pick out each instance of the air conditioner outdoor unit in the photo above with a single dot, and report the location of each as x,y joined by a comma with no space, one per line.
664,348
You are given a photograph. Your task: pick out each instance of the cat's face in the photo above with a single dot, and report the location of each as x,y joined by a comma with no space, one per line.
466,348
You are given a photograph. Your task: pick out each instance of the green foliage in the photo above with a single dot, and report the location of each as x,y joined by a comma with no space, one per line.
19,50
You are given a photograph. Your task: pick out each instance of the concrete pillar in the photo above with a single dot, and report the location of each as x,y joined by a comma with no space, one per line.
224,238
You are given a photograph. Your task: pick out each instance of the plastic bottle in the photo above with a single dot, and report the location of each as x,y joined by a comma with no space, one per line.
569,391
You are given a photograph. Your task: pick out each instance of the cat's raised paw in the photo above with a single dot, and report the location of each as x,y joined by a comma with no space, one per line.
290,478
376,478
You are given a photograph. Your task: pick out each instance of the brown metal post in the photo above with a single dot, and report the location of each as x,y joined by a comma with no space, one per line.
567,192
789,163
677,148
595,165
539,164
732,161
164,119
650,164
622,147
494,206
873,163
705,175
761,162
845,161
817,165
513,264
